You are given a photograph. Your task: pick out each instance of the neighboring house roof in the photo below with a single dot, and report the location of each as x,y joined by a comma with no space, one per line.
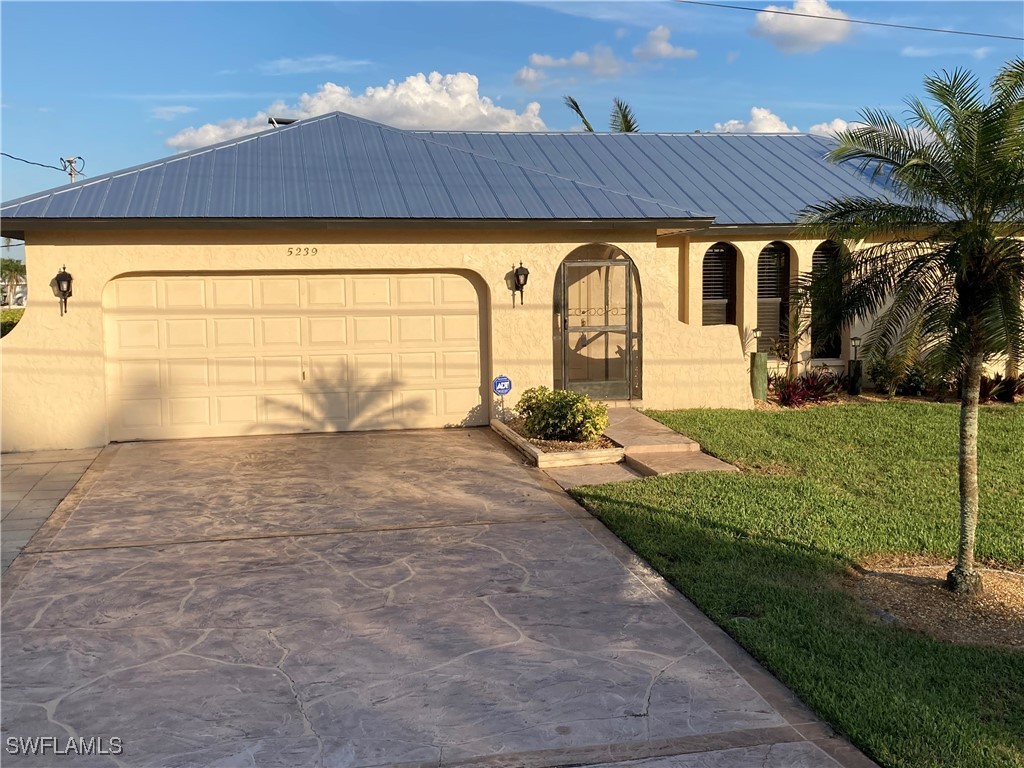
342,167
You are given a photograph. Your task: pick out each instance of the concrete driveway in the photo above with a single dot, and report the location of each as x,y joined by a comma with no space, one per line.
415,598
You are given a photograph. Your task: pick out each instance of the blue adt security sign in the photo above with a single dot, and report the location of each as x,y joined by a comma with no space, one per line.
501,385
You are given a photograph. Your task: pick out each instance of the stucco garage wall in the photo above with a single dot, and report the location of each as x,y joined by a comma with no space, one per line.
53,366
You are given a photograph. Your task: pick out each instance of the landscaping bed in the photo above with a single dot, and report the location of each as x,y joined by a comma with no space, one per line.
779,556
558,453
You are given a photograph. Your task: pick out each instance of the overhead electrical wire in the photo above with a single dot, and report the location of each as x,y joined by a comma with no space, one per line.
23,160
41,165
849,21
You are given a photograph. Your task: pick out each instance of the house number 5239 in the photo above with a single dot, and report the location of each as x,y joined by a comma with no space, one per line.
302,250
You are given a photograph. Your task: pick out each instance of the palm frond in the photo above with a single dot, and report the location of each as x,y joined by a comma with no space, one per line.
572,104
622,118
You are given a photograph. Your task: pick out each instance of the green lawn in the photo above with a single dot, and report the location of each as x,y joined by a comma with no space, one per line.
762,553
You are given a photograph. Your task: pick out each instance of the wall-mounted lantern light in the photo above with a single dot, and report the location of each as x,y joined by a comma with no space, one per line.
61,285
520,276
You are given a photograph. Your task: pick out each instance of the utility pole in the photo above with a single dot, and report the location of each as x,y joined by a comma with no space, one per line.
69,166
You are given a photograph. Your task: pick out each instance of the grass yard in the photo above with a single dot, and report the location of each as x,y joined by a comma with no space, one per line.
764,552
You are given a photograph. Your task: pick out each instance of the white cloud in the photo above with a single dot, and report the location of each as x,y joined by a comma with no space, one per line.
761,121
731,56
799,34
436,101
829,129
600,62
307,64
170,112
921,53
529,78
621,32
657,46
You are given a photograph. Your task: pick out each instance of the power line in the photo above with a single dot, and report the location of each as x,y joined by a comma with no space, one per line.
23,160
850,21
69,165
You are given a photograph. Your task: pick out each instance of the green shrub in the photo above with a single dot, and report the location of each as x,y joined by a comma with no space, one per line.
561,415
8,319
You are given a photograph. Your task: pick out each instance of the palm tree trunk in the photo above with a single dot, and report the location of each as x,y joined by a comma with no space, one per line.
964,578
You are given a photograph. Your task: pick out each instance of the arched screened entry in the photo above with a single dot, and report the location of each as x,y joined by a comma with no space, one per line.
823,344
719,292
773,265
597,324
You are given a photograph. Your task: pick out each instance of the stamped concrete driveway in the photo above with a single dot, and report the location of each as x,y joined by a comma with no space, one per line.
413,598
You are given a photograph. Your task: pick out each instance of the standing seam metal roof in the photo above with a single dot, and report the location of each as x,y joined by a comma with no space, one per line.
338,166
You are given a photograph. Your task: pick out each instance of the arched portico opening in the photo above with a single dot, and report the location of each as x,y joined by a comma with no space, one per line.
824,345
597,324
719,281
773,276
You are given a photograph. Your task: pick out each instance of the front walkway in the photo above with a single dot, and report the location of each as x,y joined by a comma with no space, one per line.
405,599
33,485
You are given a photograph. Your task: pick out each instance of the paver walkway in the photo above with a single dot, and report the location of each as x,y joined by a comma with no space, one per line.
32,486
405,599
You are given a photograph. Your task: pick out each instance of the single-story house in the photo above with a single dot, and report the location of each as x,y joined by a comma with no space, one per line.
339,274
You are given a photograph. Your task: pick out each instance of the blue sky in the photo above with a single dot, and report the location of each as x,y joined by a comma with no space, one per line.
123,83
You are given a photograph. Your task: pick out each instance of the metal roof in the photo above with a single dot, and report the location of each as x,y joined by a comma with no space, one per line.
342,167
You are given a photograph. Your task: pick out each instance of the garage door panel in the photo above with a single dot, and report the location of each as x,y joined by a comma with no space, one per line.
371,292
326,292
282,370
328,331
458,328
185,333
286,410
328,370
144,374
141,413
371,331
282,331
417,366
185,294
192,356
277,292
415,291
188,373
237,409
234,332
416,329
139,334
189,411
235,371
137,295
233,293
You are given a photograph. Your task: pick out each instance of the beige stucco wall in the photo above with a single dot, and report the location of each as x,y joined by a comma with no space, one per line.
53,367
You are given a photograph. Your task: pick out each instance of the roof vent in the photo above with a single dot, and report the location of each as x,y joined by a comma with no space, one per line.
278,121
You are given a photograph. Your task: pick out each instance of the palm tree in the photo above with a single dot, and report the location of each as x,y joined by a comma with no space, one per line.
622,119
940,261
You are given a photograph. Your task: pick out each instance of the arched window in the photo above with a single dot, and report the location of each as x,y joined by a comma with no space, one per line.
773,295
824,344
720,285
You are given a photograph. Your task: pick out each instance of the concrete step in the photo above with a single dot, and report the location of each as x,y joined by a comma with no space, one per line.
641,434
594,474
670,462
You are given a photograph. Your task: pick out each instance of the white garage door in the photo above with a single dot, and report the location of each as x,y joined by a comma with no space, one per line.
197,356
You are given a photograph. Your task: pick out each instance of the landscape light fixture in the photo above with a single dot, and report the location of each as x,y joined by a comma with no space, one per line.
520,276
855,344
61,285
758,369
